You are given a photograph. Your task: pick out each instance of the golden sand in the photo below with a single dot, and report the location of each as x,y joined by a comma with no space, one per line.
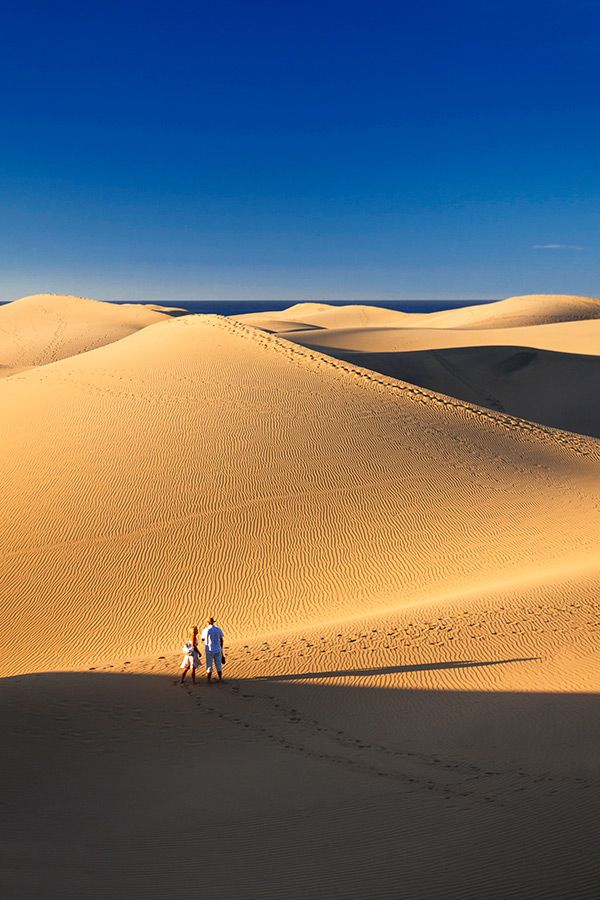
408,583
44,328
532,357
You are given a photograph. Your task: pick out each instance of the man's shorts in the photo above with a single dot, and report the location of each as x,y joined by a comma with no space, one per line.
213,656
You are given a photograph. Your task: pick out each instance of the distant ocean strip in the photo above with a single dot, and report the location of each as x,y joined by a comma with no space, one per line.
238,307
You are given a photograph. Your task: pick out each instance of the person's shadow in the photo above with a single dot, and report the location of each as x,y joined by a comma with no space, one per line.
391,670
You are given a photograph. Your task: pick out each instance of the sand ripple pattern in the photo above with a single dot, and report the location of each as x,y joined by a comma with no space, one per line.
43,328
201,466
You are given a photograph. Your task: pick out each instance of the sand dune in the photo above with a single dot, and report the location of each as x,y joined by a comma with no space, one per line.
555,389
329,758
323,315
408,585
198,460
562,337
303,782
548,373
43,328
532,309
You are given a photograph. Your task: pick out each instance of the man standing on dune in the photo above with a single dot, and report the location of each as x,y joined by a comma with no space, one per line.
213,638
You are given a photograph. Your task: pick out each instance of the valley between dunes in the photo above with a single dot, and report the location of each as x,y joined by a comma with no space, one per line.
407,579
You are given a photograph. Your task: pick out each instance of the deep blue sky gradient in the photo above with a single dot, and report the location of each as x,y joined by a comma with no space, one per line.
300,150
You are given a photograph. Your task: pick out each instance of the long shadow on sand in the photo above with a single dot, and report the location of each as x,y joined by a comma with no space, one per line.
391,670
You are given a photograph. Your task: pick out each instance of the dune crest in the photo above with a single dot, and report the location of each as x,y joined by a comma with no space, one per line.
322,315
529,309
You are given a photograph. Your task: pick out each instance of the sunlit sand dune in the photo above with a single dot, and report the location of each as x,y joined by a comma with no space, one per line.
409,589
323,315
532,309
201,462
40,329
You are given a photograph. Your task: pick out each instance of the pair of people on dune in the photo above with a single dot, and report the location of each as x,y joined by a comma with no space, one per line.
212,638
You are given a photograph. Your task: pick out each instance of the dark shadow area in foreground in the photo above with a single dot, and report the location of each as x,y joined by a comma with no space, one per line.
119,785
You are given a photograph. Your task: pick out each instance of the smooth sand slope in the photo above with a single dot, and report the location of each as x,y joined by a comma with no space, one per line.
582,338
548,372
409,589
43,328
531,309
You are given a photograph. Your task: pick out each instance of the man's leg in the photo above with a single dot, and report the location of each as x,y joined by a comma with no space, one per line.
218,664
184,673
208,666
193,674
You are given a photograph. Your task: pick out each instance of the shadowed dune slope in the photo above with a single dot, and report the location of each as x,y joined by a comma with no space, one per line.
200,465
556,389
474,719
43,328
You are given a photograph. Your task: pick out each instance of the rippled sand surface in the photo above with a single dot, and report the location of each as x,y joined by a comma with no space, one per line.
408,582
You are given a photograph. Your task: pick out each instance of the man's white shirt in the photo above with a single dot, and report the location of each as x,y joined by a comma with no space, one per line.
212,636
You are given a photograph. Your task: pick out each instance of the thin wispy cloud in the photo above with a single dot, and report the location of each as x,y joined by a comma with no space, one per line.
557,247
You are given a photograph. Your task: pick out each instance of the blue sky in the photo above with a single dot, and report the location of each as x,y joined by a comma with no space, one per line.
300,150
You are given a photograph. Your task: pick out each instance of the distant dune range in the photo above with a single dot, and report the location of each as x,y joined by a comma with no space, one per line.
408,583
44,328
534,357
531,309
